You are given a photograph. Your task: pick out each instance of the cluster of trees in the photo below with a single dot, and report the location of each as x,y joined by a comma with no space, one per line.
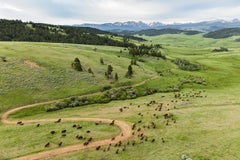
156,32
16,30
152,50
223,33
221,49
186,65
108,96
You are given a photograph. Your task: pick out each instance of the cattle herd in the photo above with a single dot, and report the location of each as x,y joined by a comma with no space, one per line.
149,116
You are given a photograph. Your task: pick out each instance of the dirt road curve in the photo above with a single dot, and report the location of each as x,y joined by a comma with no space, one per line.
124,135
126,130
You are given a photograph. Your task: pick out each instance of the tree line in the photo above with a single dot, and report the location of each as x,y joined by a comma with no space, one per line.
16,30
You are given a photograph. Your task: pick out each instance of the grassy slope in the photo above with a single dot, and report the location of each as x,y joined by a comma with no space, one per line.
21,84
206,128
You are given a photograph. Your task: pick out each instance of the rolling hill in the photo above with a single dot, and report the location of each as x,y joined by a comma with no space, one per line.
15,30
156,32
223,33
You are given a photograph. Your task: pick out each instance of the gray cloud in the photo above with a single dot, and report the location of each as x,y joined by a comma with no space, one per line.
98,11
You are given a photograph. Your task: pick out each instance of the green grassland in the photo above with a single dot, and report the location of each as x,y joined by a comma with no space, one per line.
206,128
54,77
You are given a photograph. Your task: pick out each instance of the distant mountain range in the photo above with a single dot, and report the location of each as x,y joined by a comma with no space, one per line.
205,26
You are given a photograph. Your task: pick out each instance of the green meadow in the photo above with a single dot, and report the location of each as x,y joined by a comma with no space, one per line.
204,122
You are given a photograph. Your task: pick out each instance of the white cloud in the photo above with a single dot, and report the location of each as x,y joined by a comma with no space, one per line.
9,7
99,11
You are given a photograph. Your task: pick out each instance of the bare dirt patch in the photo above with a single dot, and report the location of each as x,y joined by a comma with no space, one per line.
32,64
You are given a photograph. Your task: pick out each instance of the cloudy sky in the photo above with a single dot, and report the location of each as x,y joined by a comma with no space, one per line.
101,11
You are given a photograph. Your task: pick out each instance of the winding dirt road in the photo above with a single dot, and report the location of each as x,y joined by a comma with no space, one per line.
125,134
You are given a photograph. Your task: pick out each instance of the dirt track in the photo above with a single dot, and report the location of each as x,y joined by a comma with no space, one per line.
126,130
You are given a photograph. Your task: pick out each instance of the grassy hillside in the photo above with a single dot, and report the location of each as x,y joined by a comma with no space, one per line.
156,32
204,123
223,33
15,30
41,71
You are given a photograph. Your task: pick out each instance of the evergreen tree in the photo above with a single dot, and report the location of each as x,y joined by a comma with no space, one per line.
108,74
109,70
76,64
116,77
101,60
129,72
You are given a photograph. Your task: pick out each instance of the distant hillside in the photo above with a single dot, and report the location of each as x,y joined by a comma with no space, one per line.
223,33
205,26
156,32
15,30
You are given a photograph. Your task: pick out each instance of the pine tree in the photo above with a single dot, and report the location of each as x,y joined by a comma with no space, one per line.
116,77
129,72
76,64
101,60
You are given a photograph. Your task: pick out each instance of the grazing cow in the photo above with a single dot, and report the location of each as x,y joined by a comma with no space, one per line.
47,145
140,121
133,143
96,124
60,144
163,141
58,121
153,140
19,122
90,139
165,116
167,123
112,123
64,131
139,129
113,138
117,151
74,126
119,143
38,125
146,138
79,127
53,132
85,143
98,147
88,131
133,126
121,110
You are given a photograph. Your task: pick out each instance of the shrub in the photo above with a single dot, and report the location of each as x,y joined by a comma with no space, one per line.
105,88
221,49
186,65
